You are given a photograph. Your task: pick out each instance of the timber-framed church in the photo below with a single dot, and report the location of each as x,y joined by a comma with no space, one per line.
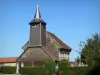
41,45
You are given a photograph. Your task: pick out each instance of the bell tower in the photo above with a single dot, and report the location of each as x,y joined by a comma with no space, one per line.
37,30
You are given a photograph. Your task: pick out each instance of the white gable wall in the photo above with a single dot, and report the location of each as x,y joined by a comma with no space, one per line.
63,56
9,64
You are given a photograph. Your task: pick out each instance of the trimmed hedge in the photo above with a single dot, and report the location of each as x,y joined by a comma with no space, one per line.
36,70
28,70
40,70
8,70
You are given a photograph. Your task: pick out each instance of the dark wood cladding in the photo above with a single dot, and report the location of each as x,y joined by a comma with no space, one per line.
34,36
43,36
37,36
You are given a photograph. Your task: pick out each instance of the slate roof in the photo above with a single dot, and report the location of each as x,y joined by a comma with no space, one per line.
37,20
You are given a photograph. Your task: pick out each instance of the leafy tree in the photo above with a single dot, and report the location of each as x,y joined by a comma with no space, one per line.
91,54
91,51
78,59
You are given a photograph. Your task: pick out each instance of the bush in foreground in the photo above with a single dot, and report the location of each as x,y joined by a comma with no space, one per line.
78,71
64,66
94,70
50,66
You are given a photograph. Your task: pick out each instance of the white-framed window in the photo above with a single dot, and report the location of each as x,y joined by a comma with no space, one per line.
63,54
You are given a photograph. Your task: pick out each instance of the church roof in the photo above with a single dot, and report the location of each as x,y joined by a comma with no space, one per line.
37,20
65,46
8,60
45,50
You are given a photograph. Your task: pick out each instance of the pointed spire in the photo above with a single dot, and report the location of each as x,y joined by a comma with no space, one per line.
37,18
37,13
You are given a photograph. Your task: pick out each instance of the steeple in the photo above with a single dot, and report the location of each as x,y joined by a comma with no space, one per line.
37,13
37,18
37,30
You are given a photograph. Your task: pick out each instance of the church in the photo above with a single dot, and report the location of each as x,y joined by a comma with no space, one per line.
41,45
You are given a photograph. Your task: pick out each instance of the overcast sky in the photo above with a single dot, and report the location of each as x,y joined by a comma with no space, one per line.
71,20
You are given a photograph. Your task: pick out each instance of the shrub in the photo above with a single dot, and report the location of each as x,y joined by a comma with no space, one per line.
78,70
50,66
36,70
94,70
64,65
8,70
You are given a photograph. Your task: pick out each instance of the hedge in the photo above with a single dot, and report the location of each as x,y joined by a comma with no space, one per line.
37,70
8,70
40,70
28,70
